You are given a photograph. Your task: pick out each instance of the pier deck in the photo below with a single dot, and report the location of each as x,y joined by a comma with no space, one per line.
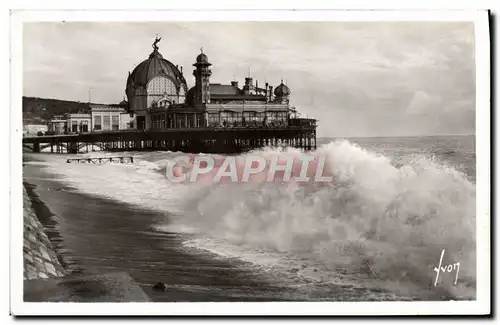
209,140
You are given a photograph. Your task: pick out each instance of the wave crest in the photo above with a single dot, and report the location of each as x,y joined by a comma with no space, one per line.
393,221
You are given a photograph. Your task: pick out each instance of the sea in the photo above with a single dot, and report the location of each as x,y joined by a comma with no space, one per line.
375,232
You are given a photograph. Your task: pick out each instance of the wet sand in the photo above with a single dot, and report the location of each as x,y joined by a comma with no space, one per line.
93,236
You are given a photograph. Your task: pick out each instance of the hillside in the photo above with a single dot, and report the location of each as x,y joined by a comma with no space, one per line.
41,110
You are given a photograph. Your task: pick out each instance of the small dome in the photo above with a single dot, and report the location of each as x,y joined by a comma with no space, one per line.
282,90
202,58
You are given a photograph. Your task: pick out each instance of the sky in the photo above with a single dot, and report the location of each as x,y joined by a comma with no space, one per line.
356,78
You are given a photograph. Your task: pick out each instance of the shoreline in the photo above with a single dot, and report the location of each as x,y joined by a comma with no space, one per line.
43,214
97,235
40,260
62,283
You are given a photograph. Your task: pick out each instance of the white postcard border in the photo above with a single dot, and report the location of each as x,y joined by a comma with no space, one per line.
482,54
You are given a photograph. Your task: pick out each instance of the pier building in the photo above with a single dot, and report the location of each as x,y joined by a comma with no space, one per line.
162,113
158,97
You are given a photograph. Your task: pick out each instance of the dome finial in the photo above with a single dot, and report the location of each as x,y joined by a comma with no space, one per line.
157,40
201,49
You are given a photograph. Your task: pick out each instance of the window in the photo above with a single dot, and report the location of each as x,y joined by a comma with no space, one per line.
230,119
97,123
106,122
85,126
191,120
115,121
141,122
74,126
180,121
213,119
252,118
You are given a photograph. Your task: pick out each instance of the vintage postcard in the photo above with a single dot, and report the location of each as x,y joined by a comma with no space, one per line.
309,162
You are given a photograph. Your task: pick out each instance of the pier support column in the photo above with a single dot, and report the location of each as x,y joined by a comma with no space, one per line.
36,147
73,147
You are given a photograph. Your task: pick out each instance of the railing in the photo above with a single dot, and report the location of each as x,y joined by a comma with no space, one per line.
247,107
302,122
293,125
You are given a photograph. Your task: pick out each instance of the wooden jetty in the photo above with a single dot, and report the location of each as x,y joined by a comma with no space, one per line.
101,160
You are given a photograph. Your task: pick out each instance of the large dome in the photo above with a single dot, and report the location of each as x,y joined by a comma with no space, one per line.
155,79
155,66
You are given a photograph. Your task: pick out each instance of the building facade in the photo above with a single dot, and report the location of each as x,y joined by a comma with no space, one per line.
34,129
110,118
58,125
102,118
158,98
78,123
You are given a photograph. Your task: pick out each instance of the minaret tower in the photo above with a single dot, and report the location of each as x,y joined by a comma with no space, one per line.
202,75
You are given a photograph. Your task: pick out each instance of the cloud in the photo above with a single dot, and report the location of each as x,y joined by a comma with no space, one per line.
422,104
359,78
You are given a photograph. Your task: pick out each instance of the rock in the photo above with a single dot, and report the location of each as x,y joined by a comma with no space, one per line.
160,286
50,268
42,275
